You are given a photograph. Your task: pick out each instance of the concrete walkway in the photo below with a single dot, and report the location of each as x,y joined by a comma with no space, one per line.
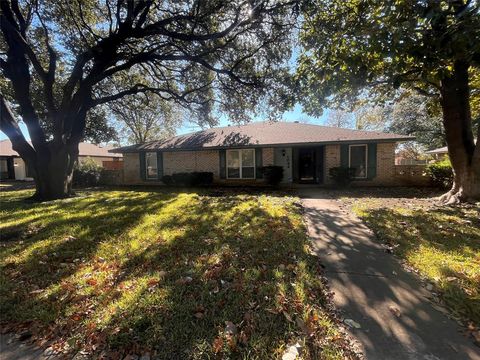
397,320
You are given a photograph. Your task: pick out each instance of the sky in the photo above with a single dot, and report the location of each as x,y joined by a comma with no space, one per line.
294,115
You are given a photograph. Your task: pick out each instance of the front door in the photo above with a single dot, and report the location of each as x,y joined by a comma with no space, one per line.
306,165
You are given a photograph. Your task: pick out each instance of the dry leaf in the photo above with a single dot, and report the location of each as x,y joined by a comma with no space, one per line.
153,282
76,317
352,323
292,352
92,282
394,310
230,328
287,316
217,345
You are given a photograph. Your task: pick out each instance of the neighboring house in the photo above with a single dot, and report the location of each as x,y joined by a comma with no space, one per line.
438,154
235,154
13,167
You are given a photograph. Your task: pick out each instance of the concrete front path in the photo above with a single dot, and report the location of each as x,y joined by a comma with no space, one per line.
396,318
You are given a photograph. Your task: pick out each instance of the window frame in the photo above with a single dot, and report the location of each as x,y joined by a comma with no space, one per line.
366,159
146,165
241,165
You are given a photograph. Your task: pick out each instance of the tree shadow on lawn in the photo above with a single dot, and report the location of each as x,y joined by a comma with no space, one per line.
443,243
164,271
373,192
67,234
370,288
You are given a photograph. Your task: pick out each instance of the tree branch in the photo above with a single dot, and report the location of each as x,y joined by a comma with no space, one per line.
10,127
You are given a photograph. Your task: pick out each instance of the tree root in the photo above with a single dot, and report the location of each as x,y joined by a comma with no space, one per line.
453,197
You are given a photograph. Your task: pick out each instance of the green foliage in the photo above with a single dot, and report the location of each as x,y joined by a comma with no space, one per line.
145,117
167,179
441,173
86,173
416,115
342,176
162,271
273,175
366,50
196,178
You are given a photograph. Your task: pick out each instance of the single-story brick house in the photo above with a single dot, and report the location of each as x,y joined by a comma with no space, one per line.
12,166
235,154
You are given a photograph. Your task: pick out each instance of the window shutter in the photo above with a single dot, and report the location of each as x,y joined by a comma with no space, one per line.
295,160
344,150
223,163
159,165
319,164
372,161
258,163
143,174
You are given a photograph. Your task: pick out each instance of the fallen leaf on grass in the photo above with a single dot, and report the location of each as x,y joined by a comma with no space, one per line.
184,280
230,328
352,323
394,310
287,316
217,345
292,352
76,317
92,282
199,312
243,338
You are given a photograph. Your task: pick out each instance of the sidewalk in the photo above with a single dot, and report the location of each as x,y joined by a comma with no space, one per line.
389,304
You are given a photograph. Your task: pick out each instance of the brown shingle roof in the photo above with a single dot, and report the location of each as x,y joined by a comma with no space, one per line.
260,134
85,149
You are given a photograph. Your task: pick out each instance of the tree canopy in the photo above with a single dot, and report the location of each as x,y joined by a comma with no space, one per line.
64,58
362,49
145,117
359,50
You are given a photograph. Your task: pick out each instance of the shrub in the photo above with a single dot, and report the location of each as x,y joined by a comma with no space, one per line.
273,175
202,178
167,179
182,179
189,179
441,173
342,176
87,173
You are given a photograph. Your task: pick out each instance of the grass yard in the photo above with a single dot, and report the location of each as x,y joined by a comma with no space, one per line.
441,243
173,274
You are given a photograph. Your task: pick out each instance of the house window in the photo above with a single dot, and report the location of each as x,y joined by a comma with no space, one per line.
358,160
241,164
151,165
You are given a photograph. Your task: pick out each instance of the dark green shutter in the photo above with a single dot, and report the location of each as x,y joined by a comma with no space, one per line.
159,165
258,163
143,174
319,164
344,153
295,160
223,163
372,161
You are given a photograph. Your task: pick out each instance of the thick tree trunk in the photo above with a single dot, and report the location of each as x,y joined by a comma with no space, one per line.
53,174
464,155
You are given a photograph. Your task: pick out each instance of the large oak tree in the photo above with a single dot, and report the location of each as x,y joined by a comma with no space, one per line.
61,59
353,49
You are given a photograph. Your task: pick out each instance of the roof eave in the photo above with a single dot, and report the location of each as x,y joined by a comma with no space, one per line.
135,149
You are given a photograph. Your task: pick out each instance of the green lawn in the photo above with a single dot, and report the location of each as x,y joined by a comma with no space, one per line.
442,244
176,274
